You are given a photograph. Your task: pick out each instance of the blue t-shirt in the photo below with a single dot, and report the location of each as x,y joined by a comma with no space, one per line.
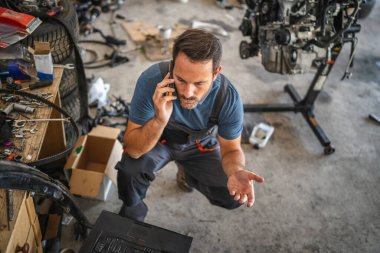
230,122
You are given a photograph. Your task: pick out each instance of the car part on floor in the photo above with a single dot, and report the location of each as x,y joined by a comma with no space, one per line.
89,10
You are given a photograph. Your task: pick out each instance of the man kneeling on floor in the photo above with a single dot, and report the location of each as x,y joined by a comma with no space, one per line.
197,123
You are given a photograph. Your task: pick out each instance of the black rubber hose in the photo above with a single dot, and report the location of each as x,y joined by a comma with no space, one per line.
20,176
100,64
94,54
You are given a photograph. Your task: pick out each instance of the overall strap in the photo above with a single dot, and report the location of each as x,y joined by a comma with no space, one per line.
220,99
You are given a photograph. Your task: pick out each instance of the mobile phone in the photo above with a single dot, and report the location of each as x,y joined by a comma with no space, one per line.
171,85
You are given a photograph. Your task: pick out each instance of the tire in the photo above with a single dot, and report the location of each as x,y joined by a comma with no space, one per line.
53,32
366,8
69,81
71,104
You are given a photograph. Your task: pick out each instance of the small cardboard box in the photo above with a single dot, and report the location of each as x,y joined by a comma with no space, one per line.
43,60
90,167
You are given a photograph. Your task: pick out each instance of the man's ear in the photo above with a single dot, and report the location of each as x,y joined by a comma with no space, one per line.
216,73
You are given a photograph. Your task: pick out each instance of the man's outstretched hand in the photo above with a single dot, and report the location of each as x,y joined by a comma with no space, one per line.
240,185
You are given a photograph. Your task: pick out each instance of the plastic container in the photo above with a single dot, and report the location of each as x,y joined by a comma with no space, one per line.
260,135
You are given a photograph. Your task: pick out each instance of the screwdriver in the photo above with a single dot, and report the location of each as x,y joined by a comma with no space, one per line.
39,84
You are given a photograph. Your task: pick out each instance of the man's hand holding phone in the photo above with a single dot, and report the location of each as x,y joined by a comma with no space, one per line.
170,93
162,99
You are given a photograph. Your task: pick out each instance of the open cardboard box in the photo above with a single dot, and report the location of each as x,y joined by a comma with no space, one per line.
90,167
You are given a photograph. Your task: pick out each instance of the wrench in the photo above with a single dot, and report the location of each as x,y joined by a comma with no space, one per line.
21,131
30,130
65,66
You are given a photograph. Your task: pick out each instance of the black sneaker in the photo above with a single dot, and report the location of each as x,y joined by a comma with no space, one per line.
137,212
181,179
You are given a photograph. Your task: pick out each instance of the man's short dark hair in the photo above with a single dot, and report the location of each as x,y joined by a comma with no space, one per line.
199,45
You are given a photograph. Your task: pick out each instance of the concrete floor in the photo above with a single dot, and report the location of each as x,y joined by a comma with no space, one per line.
309,202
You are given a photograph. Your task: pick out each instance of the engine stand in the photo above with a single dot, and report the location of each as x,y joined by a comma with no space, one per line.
305,105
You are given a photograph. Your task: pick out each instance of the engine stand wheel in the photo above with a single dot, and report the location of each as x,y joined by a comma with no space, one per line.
245,50
329,150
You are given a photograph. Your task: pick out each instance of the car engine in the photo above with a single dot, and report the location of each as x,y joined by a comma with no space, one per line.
291,35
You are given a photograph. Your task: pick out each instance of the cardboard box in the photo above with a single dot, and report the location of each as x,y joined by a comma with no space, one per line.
43,60
90,167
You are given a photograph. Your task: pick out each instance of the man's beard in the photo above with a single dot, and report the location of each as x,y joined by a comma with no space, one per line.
188,103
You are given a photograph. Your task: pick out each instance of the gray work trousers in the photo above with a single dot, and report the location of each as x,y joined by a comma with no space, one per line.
203,171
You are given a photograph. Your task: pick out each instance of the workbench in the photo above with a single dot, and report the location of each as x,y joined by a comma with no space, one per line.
25,227
49,139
